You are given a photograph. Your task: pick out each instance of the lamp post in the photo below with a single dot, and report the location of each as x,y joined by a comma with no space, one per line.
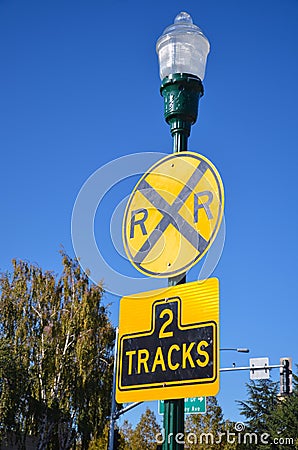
182,52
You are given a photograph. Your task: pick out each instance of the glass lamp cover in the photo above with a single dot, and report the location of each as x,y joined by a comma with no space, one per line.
182,48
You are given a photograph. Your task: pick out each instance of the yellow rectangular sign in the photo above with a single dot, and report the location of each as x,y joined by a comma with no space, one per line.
169,343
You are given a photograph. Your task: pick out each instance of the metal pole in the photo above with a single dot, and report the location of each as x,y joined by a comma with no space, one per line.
239,350
127,408
181,93
113,405
231,369
174,409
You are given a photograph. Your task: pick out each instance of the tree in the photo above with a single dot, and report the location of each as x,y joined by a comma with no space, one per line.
204,429
102,442
56,343
267,412
261,403
144,435
14,390
127,431
284,420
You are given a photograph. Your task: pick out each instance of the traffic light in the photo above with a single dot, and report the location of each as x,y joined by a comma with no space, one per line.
285,376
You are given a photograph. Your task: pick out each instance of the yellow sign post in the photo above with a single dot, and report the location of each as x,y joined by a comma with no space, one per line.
173,215
169,343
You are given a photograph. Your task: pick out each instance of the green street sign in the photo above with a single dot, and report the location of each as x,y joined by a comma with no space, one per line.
195,405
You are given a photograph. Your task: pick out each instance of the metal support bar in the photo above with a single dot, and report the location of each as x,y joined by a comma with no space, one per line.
230,369
113,404
127,408
239,350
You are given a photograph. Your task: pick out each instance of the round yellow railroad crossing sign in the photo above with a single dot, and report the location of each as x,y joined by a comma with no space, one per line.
173,215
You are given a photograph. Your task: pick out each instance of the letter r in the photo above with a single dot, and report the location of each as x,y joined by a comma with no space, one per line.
140,222
205,205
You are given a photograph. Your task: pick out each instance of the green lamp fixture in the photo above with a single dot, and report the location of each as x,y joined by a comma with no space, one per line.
182,52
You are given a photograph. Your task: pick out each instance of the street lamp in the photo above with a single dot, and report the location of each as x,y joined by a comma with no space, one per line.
182,52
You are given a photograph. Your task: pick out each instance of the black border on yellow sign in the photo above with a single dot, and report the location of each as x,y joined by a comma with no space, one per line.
184,382
215,230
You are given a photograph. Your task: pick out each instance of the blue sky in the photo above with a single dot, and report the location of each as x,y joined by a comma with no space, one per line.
79,88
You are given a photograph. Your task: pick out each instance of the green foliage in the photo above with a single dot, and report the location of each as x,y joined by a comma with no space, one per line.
101,442
56,343
203,430
262,401
210,430
284,420
126,432
14,390
268,412
143,436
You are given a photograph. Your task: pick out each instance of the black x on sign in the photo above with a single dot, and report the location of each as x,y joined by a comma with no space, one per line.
173,215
